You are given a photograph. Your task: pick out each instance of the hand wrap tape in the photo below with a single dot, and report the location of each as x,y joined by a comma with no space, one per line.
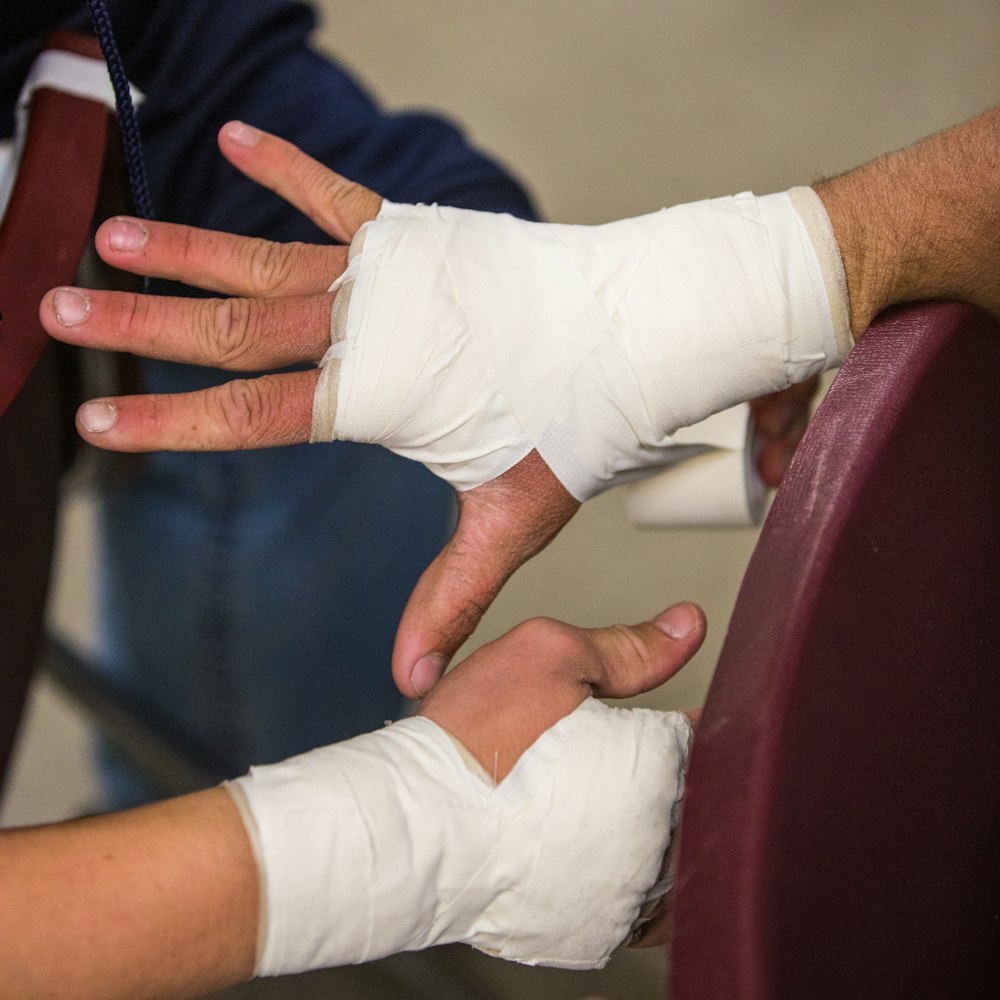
390,842
464,339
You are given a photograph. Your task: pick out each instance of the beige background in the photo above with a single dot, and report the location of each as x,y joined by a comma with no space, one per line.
606,109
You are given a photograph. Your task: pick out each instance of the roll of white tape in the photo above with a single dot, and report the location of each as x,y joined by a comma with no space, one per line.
714,482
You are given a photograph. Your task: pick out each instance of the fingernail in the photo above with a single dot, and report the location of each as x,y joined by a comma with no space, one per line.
127,235
678,622
98,417
70,306
243,134
427,672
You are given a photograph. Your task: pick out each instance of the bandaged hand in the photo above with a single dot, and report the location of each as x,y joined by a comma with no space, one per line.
515,813
530,365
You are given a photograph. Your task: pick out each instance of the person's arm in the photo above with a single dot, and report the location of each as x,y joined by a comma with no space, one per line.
922,223
739,314
158,901
164,901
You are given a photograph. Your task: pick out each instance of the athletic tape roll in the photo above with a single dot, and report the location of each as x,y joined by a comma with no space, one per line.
714,482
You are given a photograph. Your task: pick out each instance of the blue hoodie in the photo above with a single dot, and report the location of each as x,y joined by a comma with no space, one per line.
201,64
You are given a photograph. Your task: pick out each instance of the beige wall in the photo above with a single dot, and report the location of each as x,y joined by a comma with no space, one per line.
607,108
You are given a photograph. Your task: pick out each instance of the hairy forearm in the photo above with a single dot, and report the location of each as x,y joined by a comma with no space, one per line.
157,902
923,222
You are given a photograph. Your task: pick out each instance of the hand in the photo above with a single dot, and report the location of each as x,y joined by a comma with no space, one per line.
507,693
780,420
164,900
500,700
545,858
280,316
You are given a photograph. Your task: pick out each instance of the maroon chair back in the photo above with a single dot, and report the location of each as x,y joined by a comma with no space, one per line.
841,833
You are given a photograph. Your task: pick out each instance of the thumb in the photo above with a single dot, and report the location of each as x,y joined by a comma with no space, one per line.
631,659
338,206
501,525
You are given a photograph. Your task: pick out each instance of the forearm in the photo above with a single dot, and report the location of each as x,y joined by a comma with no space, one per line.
156,902
923,222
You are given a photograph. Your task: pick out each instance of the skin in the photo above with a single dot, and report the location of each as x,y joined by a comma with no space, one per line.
920,223
280,315
163,901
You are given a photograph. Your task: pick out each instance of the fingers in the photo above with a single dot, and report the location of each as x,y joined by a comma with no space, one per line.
659,930
776,456
263,412
218,262
781,419
501,525
279,317
238,334
338,206
631,659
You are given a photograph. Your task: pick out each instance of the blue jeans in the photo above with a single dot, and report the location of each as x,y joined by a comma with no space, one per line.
249,600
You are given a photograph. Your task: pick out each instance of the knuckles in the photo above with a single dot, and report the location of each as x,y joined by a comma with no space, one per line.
223,329
270,266
243,409
344,202
133,311
563,649
614,659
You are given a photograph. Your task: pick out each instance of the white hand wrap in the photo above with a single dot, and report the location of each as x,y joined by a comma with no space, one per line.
390,842
463,339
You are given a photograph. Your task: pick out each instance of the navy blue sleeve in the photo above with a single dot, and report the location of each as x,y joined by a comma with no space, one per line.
201,64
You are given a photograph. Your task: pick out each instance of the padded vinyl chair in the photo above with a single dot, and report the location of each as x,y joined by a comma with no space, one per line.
841,834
